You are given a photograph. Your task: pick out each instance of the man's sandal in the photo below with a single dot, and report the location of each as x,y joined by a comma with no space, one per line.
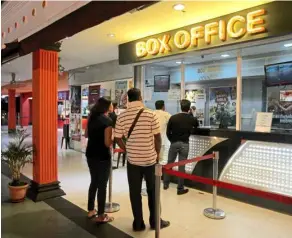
104,219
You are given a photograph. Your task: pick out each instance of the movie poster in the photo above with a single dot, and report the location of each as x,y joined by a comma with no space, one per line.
75,126
84,101
130,84
93,94
280,104
223,106
198,99
121,88
75,99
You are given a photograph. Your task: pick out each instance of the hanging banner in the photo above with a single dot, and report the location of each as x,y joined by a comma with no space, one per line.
75,99
222,106
121,88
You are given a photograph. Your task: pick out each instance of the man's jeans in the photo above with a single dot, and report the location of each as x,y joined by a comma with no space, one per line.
182,150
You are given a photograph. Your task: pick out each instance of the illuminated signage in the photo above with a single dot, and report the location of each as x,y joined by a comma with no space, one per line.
269,20
252,23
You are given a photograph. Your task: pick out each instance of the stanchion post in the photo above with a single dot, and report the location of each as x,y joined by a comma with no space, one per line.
158,175
213,212
111,207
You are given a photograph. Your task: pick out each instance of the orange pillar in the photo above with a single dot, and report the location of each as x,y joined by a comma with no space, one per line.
11,111
45,182
24,109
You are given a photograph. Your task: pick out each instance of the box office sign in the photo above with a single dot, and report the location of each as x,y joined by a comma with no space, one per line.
268,20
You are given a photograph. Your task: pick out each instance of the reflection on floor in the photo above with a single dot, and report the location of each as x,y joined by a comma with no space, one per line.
184,212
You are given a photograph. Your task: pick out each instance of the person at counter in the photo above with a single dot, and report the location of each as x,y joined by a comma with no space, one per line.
163,117
179,129
223,117
193,111
113,114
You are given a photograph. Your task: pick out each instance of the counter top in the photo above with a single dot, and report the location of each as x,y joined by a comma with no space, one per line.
245,135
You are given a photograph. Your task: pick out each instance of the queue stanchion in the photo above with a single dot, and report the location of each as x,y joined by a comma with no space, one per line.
214,212
111,207
158,175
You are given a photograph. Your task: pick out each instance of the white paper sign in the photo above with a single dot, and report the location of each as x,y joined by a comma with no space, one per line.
148,91
174,94
264,122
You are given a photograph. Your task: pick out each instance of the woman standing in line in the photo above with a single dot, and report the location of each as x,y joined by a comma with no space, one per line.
99,157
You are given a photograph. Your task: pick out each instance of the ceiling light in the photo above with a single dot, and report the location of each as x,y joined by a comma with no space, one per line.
87,67
225,55
178,62
288,45
111,35
67,37
179,7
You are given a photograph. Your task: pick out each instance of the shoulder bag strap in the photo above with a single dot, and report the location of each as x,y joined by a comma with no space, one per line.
134,122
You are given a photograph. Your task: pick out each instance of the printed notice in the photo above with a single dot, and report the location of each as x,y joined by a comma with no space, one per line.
264,122
174,94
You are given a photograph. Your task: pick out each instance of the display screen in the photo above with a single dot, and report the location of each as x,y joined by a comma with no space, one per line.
161,83
278,74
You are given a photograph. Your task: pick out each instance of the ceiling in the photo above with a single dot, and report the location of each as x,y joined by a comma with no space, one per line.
45,13
94,46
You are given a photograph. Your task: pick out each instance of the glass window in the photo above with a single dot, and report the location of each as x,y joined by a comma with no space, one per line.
267,85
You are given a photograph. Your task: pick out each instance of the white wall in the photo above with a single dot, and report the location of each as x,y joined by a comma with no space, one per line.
108,71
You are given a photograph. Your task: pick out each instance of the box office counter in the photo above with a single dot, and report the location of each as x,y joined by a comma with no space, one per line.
255,160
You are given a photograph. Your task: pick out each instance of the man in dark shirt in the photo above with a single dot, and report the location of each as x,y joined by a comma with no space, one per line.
179,129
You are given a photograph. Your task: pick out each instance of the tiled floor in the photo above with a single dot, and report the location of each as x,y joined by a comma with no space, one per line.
19,220
184,212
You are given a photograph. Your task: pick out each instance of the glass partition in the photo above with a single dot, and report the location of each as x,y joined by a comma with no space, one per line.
163,82
210,85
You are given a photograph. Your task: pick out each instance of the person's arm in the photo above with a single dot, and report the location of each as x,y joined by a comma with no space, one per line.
158,144
108,136
155,126
168,130
86,129
196,123
119,134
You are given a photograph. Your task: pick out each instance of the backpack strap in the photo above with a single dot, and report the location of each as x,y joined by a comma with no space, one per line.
135,122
